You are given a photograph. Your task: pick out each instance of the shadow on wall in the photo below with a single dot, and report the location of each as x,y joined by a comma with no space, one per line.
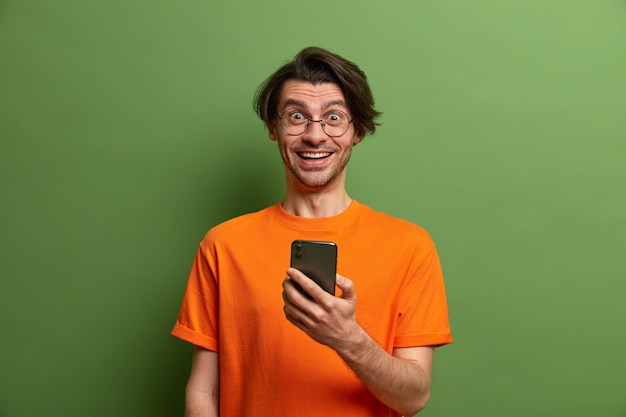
242,177
254,181
248,177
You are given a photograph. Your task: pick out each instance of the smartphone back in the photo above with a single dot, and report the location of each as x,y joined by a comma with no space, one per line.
317,260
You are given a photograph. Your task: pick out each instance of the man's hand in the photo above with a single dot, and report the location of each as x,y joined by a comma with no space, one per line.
326,319
400,380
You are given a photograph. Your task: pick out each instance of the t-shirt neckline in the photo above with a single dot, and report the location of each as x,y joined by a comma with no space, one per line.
317,223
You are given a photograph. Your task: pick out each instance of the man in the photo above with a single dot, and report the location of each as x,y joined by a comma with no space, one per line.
260,351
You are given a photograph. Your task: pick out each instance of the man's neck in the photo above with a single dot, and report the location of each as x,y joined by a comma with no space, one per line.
316,205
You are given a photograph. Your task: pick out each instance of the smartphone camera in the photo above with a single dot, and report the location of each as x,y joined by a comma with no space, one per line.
298,251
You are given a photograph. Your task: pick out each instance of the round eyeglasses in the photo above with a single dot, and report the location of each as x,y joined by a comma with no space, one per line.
334,123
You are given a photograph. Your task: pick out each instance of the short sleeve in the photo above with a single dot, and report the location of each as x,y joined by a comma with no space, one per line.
423,314
198,317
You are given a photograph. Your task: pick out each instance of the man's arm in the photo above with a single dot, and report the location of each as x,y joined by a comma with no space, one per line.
400,380
202,393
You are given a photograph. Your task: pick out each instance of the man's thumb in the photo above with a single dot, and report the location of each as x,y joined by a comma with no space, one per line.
346,286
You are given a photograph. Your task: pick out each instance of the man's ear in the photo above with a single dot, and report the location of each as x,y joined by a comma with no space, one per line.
356,139
272,130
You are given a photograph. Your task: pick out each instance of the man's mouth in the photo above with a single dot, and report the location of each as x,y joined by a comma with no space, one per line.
314,155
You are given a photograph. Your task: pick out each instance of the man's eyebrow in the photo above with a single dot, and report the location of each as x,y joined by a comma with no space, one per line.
300,104
293,102
335,103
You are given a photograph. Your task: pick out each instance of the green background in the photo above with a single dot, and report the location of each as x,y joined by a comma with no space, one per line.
127,131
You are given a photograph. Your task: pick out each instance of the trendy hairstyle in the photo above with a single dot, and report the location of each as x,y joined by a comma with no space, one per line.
318,66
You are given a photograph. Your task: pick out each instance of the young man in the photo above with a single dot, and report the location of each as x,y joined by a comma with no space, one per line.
260,351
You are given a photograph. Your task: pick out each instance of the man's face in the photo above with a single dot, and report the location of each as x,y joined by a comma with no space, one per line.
313,159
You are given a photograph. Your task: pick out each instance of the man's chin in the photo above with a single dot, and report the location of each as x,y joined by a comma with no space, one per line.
315,181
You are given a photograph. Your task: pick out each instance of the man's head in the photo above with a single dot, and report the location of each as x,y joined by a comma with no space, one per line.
319,66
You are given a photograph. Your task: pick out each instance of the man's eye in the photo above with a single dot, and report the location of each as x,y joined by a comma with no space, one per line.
296,116
334,118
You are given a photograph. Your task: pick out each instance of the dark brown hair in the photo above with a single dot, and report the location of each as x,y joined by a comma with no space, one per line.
319,66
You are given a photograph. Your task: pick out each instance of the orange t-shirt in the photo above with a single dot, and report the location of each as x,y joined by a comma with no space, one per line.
268,367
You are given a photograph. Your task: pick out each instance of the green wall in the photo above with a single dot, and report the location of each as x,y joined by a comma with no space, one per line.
127,131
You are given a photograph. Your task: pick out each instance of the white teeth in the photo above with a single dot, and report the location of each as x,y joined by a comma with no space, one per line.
314,155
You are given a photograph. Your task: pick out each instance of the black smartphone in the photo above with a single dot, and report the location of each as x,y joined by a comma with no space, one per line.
317,260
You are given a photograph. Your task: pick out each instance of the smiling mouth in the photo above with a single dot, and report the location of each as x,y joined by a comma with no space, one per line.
314,155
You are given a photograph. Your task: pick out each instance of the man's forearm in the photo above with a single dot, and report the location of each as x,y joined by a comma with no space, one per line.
202,394
201,403
401,384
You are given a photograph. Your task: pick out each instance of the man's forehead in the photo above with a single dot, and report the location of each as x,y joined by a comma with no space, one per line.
306,94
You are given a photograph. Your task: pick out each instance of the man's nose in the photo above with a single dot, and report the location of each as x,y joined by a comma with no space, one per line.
315,132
